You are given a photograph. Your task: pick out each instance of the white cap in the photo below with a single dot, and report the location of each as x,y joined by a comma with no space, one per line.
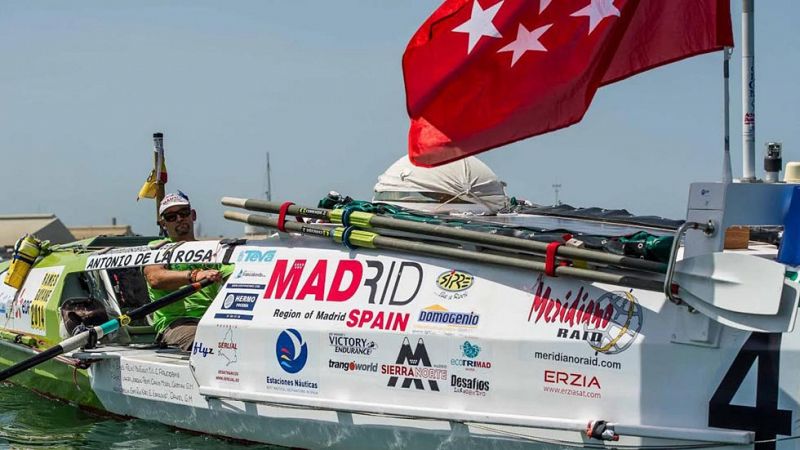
173,199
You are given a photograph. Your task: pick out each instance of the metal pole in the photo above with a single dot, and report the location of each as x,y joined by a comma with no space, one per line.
727,172
269,181
158,162
556,187
748,93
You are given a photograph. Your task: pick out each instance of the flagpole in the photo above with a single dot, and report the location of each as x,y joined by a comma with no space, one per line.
158,162
748,93
727,172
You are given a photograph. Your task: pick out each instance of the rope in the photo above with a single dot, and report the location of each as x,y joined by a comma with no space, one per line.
346,236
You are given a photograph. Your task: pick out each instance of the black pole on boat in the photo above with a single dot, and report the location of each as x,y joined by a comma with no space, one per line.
368,220
99,331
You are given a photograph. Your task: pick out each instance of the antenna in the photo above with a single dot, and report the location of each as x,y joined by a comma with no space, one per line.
268,182
556,188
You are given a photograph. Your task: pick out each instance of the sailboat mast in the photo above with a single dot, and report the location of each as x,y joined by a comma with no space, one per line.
748,93
268,177
727,172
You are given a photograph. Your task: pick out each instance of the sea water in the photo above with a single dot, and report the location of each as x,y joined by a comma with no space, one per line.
28,420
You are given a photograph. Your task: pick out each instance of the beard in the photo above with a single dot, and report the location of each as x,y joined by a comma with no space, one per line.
184,229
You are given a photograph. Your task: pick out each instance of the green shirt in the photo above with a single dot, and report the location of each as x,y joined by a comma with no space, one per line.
194,305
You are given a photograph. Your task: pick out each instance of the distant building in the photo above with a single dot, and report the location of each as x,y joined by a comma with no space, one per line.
46,227
101,230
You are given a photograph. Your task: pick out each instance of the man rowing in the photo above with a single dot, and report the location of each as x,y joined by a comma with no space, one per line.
176,324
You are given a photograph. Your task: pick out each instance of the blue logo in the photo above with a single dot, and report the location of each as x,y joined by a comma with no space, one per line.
202,349
470,350
242,302
256,256
291,351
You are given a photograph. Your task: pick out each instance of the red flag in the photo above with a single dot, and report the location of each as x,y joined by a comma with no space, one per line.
484,73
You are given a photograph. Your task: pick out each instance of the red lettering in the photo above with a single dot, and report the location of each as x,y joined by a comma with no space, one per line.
358,318
356,270
539,302
609,313
549,376
400,321
281,283
561,377
366,316
315,284
594,382
570,317
378,323
352,318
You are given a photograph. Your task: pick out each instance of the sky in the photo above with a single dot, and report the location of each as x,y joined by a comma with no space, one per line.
318,85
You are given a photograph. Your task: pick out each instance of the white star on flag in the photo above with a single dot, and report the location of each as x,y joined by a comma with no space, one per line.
479,24
526,41
597,10
543,4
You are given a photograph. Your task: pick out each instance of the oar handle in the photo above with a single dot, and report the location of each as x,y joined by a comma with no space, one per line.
108,327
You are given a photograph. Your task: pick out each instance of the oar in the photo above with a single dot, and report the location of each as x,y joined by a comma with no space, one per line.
368,220
112,325
701,282
367,239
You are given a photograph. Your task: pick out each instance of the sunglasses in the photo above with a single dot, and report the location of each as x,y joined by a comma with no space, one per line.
172,217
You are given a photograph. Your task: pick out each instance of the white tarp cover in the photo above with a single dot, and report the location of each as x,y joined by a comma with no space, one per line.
467,185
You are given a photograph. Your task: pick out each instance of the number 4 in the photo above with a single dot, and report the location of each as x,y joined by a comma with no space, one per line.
765,418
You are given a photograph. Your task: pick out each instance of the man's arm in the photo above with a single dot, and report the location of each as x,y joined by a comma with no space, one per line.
159,277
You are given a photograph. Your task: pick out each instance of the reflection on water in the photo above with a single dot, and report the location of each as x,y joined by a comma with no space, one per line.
28,420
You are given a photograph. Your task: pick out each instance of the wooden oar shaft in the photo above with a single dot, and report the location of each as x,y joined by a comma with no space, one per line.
409,246
443,231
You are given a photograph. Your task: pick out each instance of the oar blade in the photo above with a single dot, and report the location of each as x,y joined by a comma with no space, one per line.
781,322
733,282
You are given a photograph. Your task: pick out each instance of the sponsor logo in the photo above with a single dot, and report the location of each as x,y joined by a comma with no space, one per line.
298,280
200,349
233,316
352,366
571,379
238,301
574,359
414,366
469,386
293,385
470,352
572,384
348,345
609,323
227,348
258,287
377,320
243,273
455,281
291,351
256,256
438,314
